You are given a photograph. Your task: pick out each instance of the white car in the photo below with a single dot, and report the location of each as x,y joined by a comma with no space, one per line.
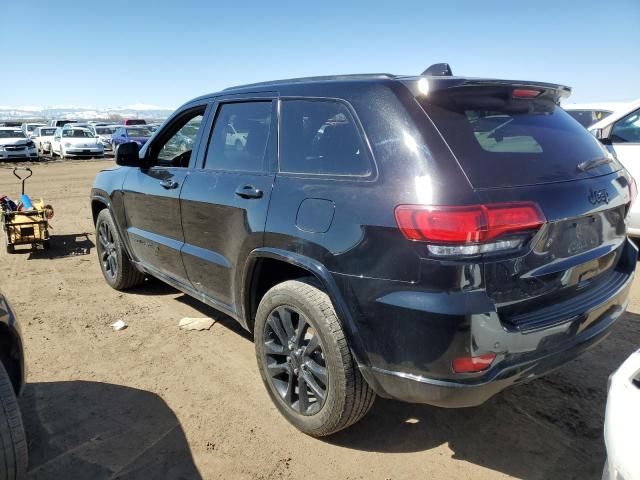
620,132
235,138
104,133
622,422
42,137
15,145
589,113
76,142
29,128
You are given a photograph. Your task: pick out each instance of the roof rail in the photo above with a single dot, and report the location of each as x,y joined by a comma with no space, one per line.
438,70
356,76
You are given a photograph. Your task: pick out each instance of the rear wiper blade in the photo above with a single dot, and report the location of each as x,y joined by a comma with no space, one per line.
596,162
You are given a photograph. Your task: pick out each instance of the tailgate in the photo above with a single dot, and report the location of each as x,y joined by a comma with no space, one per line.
574,263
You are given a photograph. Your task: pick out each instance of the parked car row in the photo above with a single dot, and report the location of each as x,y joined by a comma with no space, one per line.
71,138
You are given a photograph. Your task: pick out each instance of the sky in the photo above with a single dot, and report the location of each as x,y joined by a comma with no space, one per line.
165,52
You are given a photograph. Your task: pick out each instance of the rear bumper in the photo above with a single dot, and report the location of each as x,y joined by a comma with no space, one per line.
418,369
469,393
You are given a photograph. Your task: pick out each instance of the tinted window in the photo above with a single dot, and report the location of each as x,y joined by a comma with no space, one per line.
12,134
627,129
176,150
239,138
320,137
503,142
139,132
586,118
77,133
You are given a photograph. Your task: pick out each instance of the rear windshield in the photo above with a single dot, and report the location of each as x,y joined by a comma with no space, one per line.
501,142
44,132
12,134
138,132
586,118
77,133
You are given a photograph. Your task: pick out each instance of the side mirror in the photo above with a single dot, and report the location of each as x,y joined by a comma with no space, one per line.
127,155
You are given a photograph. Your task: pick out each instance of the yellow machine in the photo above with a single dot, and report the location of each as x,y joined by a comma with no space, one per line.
27,227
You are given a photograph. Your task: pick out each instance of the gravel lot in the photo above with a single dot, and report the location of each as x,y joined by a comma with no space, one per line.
153,401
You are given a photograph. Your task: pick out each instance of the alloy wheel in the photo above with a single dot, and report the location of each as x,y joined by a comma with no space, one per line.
295,360
108,251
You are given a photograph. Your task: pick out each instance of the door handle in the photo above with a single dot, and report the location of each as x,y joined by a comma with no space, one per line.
168,183
248,191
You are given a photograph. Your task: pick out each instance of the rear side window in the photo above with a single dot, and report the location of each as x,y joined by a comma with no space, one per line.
321,137
501,142
240,137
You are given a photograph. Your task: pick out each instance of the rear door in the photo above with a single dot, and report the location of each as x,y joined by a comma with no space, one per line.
224,201
152,197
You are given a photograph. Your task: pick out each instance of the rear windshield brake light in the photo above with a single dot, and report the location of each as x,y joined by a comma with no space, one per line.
468,225
525,93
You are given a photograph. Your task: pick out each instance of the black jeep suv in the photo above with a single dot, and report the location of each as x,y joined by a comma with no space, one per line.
432,239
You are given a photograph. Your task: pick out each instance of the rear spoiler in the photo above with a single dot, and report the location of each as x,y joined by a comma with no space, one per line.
557,91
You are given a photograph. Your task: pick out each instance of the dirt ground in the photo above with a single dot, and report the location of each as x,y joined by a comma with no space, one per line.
153,401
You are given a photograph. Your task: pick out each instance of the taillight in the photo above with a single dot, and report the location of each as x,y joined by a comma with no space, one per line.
633,191
473,364
525,93
468,229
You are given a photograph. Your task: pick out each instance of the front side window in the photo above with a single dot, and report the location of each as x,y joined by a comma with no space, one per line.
321,137
627,129
240,137
176,150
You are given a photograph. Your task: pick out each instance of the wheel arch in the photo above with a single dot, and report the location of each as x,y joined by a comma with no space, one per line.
11,356
99,203
257,280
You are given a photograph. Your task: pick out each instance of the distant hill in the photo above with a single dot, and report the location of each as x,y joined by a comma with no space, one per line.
72,112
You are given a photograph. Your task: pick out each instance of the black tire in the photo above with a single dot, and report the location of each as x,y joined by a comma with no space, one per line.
13,441
53,155
347,396
116,267
46,244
